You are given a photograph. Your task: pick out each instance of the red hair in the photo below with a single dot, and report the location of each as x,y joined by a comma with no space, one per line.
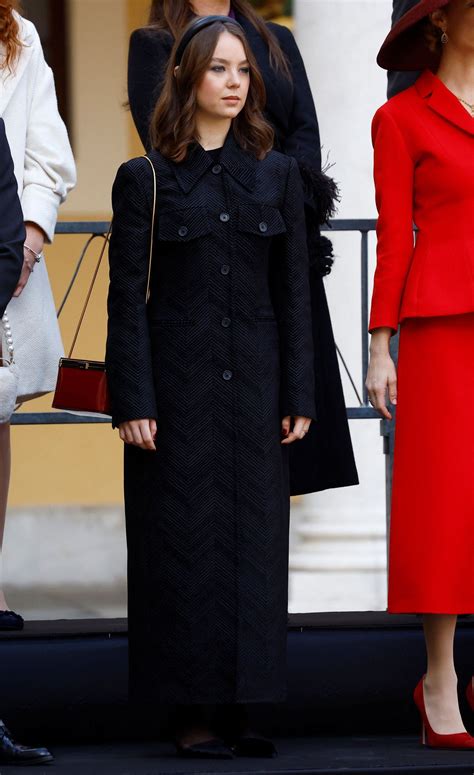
9,33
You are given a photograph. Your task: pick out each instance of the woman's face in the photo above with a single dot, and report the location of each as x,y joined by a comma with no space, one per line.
457,20
223,90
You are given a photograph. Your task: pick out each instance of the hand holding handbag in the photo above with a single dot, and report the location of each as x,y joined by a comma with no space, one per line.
82,384
9,374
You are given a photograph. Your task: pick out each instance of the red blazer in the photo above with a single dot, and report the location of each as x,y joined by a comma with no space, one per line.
424,174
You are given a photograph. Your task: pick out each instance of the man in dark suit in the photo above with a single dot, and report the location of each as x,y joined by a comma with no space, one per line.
399,81
12,237
12,229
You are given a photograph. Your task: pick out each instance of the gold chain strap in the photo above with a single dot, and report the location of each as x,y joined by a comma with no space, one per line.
106,240
152,227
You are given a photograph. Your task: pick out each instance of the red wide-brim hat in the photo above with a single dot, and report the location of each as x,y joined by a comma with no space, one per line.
405,47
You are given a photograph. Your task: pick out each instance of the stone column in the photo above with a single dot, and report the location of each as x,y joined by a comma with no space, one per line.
338,555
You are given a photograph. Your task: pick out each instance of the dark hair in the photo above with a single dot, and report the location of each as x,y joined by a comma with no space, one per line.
432,34
9,34
175,15
173,125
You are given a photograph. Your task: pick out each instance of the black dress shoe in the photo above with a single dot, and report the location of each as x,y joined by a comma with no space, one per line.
13,753
9,620
208,749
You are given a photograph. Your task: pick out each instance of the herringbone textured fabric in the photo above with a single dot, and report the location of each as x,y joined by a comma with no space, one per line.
223,351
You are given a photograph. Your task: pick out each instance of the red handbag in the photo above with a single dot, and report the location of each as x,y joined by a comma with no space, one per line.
82,384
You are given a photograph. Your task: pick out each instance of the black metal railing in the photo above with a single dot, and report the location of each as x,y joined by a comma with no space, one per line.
363,411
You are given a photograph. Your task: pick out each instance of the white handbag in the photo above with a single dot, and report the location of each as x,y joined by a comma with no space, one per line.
9,373
38,344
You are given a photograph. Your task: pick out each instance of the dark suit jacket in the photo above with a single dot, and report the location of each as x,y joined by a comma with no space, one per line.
12,229
397,81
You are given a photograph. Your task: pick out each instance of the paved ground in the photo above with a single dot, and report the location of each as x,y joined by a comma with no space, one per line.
360,756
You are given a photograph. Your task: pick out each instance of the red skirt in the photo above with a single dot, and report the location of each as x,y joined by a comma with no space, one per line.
431,568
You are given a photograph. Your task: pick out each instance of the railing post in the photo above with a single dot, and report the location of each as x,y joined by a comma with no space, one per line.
387,430
364,284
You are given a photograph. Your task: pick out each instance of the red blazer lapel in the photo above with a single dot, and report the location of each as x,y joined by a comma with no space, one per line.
440,99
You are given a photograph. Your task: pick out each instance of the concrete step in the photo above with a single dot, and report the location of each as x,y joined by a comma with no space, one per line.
332,561
354,531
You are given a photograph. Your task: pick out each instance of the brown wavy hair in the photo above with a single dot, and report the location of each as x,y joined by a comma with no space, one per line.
173,125
9,34
175,15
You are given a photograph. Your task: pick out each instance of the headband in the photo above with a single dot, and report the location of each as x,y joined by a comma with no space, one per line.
199,24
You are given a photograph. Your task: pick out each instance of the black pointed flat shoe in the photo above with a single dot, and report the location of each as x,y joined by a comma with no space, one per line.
253,745
9,620
208,749
13,753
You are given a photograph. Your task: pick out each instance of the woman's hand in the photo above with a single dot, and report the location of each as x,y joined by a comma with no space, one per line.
382,374
300,428
35,240
140,433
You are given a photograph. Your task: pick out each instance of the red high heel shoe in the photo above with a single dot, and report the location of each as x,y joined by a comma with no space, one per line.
470,695
459,741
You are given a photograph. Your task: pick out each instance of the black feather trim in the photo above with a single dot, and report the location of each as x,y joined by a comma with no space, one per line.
321,192
320,250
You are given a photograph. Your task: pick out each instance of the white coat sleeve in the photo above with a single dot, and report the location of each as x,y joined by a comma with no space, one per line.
50,171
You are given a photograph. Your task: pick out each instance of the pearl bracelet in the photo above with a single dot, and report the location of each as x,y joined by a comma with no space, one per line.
8,335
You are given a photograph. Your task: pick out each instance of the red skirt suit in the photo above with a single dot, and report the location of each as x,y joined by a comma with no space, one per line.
424,173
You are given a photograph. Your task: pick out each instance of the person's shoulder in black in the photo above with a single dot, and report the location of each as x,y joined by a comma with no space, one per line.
12,229
398,81
148,57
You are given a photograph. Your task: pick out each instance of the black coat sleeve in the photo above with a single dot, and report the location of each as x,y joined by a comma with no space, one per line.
128,352
302,140
293,306
12,228
303,143
148,57
398,81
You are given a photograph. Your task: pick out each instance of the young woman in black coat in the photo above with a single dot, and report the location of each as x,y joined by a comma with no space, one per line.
211,383
325,459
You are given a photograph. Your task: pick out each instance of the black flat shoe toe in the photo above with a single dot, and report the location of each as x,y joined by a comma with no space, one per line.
9,620
255,746
208,749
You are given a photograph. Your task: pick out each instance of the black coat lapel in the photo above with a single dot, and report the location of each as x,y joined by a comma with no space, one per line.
238,163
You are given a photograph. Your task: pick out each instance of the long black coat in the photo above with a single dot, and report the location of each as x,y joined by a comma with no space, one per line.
325,458
222,353
12,229
398,81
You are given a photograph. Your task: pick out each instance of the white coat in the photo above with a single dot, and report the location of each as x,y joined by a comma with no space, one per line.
45,171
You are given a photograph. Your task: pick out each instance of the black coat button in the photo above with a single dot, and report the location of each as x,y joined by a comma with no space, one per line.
225,322
224,217
263,227
225,269
183,231
227,375
217,169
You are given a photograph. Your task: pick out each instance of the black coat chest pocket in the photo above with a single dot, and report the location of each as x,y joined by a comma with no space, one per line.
183,225
262,220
